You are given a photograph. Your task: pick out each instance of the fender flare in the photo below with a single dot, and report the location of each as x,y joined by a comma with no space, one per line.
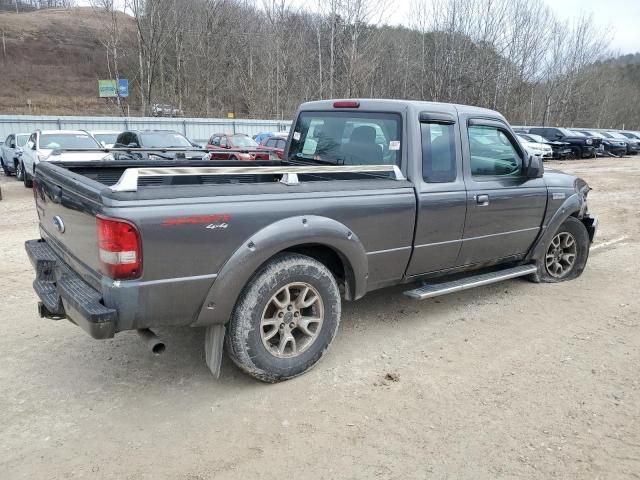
272,239
573,204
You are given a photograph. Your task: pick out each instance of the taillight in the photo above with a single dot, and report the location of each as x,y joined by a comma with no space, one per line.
119,248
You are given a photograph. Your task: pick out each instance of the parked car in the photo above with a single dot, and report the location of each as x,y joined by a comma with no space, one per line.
541,149
560,150
263,254
165,110
107,138
11,151
262,135
611,146
162,145
581,146
274,143
633,145
238,146
50,145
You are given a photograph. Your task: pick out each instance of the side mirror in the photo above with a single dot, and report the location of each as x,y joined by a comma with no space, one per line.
12,145
33,147
535,167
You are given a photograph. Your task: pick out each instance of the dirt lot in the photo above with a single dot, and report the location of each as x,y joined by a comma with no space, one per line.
514,380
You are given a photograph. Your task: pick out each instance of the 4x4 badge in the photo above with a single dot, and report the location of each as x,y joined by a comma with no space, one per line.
57,221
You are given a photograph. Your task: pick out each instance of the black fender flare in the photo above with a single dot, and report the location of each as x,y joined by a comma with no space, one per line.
272,239
575,204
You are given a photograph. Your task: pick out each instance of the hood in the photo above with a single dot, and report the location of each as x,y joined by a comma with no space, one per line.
542,146
75,156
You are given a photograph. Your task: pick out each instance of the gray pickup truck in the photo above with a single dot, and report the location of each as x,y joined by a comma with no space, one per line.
369,194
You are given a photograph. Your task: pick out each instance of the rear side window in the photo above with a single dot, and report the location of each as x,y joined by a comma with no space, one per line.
347,138
438,153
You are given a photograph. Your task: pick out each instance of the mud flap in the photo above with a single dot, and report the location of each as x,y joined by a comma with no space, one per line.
213,347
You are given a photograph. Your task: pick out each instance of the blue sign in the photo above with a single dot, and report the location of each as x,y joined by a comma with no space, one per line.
123,87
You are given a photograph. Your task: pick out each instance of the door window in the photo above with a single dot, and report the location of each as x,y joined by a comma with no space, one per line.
438,153
223,142
493,153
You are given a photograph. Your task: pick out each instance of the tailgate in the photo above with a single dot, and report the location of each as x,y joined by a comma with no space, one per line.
67,205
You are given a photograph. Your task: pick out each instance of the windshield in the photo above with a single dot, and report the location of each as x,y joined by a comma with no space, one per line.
347,138
164,140
618,136
567,133
21,140
594,134
536,138
67,140
631,135
243,141
107,138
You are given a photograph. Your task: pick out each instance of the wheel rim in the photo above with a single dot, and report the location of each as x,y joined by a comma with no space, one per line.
292,320
561,255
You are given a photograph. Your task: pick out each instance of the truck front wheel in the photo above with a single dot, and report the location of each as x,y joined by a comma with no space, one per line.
565,255
285,318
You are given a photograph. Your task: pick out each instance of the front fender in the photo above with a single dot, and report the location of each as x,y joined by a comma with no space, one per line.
572,205
264,244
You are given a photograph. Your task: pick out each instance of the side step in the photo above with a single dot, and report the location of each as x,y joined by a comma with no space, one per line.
436,289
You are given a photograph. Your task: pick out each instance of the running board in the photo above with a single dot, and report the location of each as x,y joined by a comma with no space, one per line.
437,289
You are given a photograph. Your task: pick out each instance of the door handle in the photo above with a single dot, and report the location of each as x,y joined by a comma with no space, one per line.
482,200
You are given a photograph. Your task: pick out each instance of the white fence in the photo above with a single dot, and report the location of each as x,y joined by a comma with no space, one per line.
196,129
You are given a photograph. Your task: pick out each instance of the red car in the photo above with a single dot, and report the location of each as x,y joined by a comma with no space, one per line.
275,144
238,146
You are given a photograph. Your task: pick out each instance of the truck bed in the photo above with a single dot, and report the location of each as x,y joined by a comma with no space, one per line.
185,243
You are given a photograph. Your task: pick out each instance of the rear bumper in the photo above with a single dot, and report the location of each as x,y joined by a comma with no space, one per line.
64,294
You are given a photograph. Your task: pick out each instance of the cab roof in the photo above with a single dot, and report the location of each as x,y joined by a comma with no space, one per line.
371,104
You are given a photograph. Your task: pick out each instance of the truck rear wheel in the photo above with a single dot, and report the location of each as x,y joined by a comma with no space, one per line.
285,318
565,255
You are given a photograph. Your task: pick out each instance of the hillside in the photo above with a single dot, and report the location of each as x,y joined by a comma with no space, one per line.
54,58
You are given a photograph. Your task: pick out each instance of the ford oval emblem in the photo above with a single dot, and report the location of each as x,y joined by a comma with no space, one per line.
57,221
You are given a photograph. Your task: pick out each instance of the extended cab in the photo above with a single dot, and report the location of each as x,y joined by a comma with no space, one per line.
370,193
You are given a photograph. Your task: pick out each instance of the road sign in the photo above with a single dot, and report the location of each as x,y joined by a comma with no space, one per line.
107,88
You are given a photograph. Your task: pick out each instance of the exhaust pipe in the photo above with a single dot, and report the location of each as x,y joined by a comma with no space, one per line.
151,339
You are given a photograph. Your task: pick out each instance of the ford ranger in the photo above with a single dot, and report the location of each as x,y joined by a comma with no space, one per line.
369,194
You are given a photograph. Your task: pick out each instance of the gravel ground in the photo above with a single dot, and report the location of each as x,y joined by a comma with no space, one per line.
513,380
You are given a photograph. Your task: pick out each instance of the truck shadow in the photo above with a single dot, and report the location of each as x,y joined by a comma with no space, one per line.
127,360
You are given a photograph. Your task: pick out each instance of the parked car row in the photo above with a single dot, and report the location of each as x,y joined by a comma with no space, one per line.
579,142
21,152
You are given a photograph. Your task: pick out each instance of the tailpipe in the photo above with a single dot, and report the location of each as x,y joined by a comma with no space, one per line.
151,339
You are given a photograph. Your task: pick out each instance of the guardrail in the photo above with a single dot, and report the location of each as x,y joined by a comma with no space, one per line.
197,129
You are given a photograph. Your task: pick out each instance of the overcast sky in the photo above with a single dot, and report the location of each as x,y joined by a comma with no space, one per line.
621,18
